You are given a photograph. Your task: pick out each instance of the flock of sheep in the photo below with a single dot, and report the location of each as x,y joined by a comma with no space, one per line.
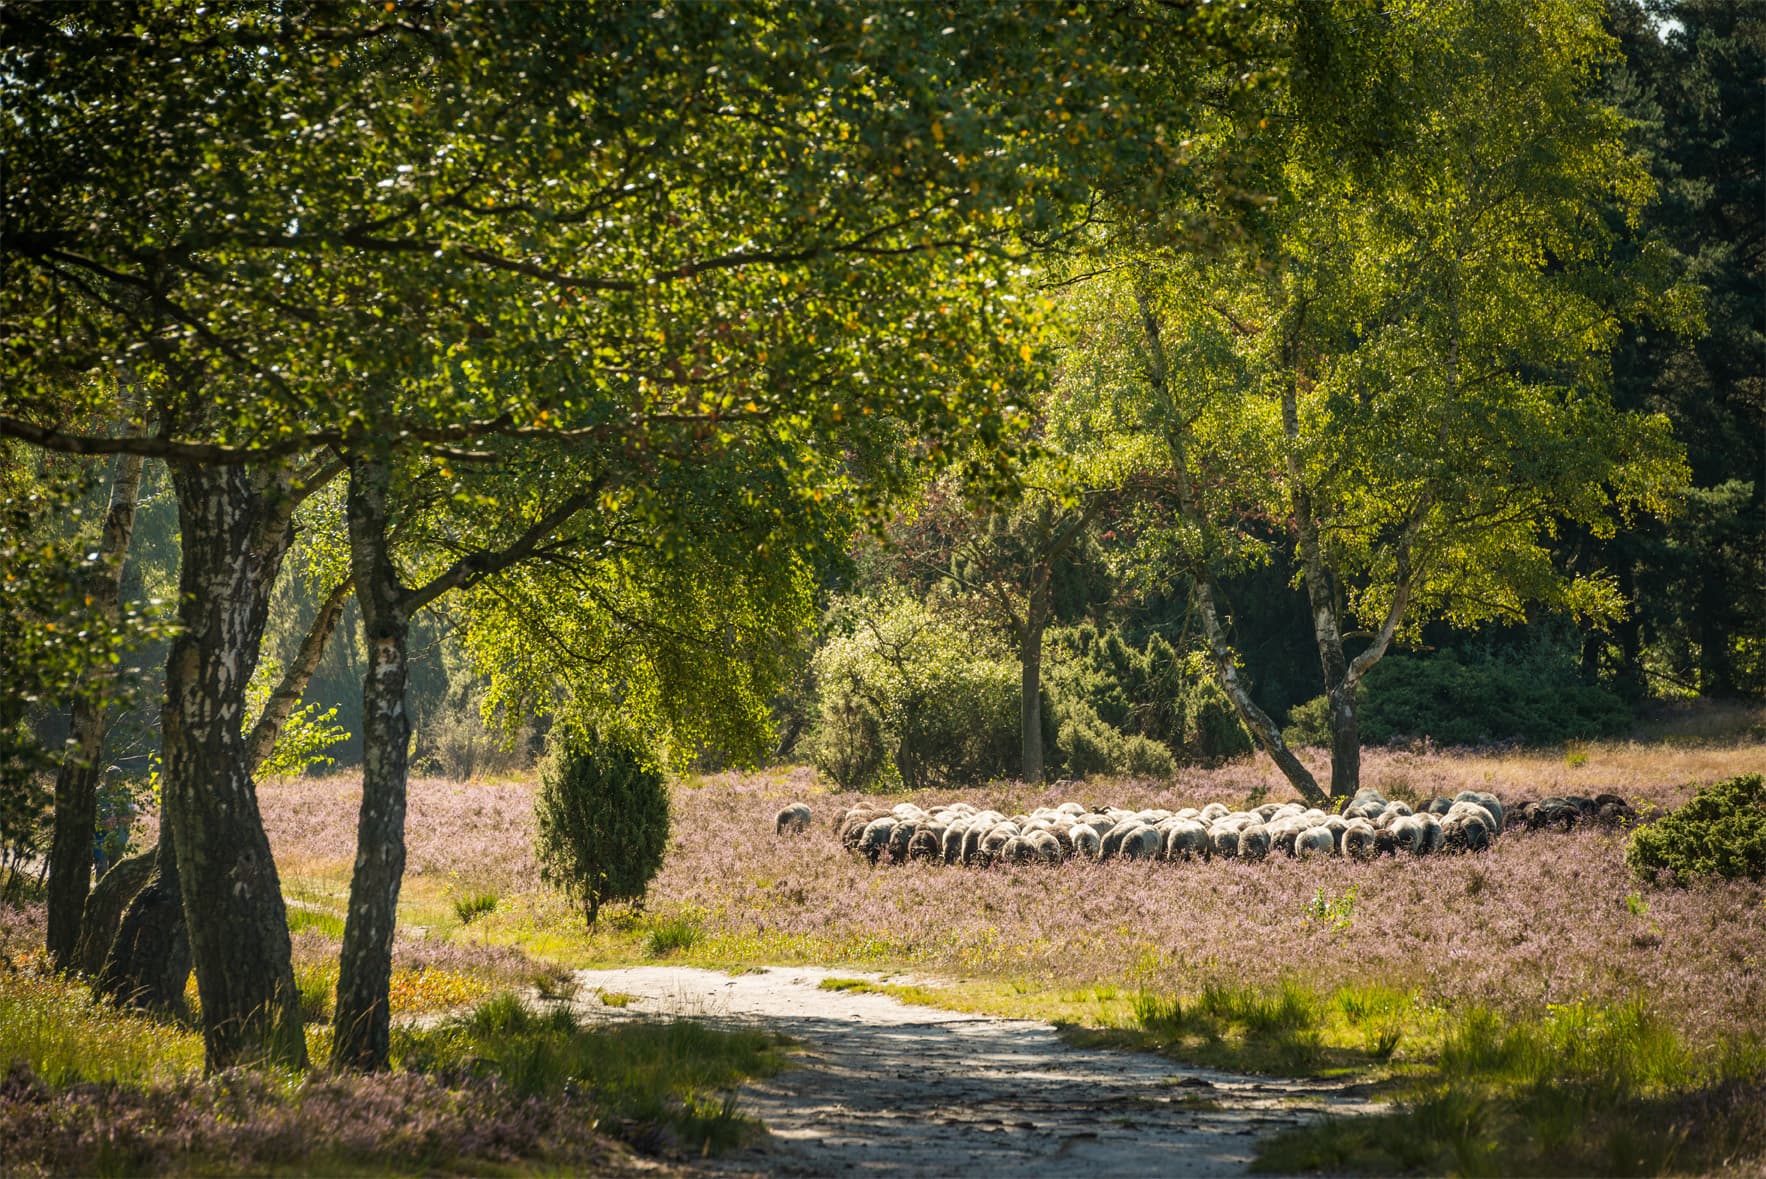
1370,825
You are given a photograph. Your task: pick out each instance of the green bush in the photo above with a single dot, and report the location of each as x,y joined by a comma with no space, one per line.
1536,697
1721,832
913,699
1148,691
1086,744
603,823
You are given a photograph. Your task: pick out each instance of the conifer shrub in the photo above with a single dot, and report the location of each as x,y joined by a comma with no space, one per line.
603,822
1721,832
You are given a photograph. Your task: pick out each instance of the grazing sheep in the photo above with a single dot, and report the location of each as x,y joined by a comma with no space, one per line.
1409,833
1267,811
1254,842
951,849
1314,841
794,818
1225,840
1086,841
1467,827
1336,825
1186,840
1385,843
1142,843
1486,800
1044,846
899,840
1114,837
1438,806
876,837
1359,839
927,843
1214,812
1283,832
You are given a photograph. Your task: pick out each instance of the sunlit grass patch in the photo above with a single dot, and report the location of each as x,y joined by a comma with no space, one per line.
416,992
64,1035
1583,1089
679,1074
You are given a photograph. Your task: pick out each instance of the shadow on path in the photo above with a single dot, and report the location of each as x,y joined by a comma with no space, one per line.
884,1088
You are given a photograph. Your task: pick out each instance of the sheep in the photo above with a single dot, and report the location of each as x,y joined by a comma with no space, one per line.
1314,841
1467,827
1225,840
951,849
899,840
1438,806
1044,846
1484,799
876,837
1283,832
1142,843
971,850
1186,840
1431,832
1086,841
1214,811
927,843
1359,839
1409,833
1254,841
1114,837
1336,825
794,818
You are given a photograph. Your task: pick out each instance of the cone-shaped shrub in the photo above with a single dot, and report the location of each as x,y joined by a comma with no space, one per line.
1721,832
603,823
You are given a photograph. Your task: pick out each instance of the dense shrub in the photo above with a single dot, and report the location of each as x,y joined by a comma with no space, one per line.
1086,744
1721,832
603,823
1147,691
913,699
1535,697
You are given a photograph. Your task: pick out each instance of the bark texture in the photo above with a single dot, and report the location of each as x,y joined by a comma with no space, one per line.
148,960
363,1021
236,527
104,909
76,781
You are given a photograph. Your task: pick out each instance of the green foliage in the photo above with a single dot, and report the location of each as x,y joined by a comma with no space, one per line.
913,698
1721,832
1086,744
603,823
65,1035
307,736
1534,696
52,636
1148,691
1336,913
472,906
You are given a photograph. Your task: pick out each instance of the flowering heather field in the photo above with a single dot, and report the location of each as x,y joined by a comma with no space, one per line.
1543,918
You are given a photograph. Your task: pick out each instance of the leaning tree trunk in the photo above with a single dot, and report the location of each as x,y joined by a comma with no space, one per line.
76,782
149,958
362,1026
104,910
238,925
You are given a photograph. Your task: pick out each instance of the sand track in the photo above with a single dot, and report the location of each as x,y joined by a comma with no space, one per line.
883,1088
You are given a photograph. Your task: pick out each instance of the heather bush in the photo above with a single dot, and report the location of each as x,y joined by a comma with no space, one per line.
1536,697
603,823
1721,832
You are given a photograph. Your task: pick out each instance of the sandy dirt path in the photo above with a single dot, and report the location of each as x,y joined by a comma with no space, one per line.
883,1088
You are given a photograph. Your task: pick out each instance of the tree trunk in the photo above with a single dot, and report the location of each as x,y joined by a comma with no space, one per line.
149,959
76,782
104,910
232,544
1345,740
362,1027
1030,701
